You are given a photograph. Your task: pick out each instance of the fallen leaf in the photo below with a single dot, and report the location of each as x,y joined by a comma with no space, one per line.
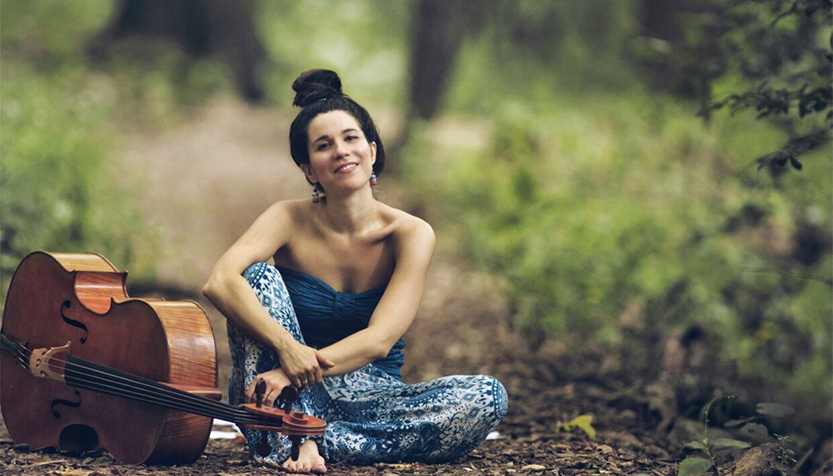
400,465
754,430
50,462
534,467
582,421
75,472
774,409
605,449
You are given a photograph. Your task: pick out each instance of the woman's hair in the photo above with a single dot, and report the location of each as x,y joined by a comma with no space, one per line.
318,91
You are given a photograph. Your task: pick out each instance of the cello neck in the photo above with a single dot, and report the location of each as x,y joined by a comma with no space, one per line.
18,350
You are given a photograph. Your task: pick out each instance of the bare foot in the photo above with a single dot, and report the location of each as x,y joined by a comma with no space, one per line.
309,461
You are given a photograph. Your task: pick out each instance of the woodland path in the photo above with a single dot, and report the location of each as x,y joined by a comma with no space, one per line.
203,182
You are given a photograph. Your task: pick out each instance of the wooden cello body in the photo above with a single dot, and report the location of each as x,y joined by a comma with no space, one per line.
81,300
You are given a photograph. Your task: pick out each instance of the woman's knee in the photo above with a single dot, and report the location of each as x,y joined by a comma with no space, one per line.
500,398
259,275
267,283
271,291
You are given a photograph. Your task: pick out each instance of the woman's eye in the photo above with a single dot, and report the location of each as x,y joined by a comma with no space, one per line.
322,146
352,137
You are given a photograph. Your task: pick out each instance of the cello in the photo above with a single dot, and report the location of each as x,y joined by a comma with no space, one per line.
84,366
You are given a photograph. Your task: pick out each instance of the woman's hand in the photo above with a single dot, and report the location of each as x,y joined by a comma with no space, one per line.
302,364
276,380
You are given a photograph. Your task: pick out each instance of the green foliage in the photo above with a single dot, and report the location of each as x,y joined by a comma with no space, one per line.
543,49
363,40
51,33
773,56
712,448
694,466
785,456
616,215
715,449
58,187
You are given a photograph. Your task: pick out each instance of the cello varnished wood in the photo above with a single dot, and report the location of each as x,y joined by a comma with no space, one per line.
81,299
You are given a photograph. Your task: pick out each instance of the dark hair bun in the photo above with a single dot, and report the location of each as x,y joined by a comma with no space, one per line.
315,84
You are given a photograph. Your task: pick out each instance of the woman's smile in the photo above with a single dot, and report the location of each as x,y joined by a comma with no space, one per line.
346,168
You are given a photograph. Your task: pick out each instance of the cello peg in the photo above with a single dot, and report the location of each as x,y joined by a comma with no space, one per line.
260,392
262,447
295,451
289,395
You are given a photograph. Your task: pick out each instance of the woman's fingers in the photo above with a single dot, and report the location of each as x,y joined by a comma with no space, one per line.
271,398
304,365
275,380
323,361
308,378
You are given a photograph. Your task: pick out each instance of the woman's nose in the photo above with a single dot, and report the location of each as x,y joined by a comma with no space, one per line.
340,149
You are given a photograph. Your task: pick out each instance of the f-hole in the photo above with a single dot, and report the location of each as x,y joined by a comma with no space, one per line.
68,403
73,322
78,437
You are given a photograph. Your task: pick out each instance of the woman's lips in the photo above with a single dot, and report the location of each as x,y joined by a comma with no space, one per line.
346,168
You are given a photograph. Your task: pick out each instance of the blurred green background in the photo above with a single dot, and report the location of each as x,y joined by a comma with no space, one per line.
627,169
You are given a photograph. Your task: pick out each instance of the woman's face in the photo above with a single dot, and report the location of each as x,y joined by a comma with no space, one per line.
340,157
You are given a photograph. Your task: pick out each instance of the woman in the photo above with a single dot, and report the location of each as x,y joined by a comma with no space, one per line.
329,316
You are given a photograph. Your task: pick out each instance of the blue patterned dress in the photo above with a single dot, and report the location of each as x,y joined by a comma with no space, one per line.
372,416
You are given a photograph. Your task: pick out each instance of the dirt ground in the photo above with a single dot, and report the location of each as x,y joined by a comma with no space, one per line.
207,180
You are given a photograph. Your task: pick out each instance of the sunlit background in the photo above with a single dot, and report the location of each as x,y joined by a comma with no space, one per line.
573,152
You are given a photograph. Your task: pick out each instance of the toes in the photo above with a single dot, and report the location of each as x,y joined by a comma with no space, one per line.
299,467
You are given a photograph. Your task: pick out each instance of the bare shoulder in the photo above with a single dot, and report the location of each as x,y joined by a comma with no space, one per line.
286,211
410,231
274,226
271,231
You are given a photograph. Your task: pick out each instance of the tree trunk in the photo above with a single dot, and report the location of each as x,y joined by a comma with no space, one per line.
438,31
201,28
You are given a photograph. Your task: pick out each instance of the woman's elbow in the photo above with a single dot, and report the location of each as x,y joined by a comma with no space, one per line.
208,290
212,287
382,350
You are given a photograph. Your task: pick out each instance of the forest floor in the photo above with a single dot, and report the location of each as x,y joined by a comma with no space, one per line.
207,179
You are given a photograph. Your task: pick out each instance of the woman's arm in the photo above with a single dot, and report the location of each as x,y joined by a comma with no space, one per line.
228,290
414,246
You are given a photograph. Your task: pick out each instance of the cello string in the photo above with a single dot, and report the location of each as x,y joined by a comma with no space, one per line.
237,413
137,391
171,398
178,404
126,385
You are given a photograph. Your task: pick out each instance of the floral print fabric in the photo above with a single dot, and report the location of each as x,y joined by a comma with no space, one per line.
371,415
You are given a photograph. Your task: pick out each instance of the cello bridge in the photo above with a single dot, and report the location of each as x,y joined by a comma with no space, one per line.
49,363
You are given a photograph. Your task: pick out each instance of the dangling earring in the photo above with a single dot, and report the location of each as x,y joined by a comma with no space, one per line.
315,196
373,178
